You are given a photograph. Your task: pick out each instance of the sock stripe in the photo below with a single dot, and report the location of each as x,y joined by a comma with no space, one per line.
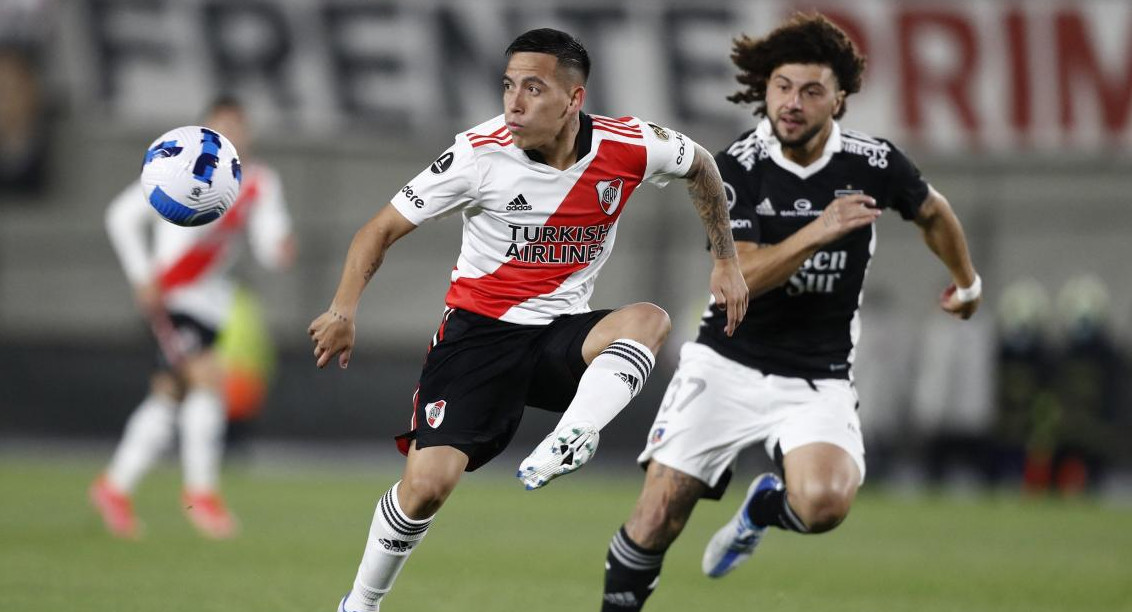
631,354
644,355
630,556
795,523
397,520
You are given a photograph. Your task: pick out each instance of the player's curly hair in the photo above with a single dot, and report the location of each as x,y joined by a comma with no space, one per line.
807,38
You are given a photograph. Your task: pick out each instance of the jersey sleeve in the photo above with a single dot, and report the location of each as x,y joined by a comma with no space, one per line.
907,190
128,219
447,185
740,201
670,153
269,225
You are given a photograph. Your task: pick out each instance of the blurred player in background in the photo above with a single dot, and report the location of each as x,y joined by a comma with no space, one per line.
181,284
540,189
804,195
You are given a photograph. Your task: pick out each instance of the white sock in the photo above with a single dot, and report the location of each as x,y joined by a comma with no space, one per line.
148,433
613,378
392,537
202,440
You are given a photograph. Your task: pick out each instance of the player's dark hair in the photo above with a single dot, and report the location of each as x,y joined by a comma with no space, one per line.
224,101
570,52
804,39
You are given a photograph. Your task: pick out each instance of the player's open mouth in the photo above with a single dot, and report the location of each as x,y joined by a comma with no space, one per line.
791,122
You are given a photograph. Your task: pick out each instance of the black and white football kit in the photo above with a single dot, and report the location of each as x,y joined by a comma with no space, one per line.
785,375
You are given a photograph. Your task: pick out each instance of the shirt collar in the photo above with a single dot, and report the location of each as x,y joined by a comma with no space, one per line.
584,140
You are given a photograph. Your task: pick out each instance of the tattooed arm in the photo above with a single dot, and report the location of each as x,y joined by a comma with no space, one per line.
333,331
727,284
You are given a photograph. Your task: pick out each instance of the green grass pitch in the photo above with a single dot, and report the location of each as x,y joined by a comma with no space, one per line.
496,547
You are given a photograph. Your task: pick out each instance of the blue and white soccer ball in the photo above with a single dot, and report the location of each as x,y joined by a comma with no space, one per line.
191,175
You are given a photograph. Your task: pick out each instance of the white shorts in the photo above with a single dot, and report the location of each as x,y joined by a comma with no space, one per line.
715,407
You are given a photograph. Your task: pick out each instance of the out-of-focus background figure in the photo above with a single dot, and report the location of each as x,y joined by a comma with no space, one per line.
181,283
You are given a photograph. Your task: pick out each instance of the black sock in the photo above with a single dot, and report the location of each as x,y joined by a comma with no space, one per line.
631,574
772,508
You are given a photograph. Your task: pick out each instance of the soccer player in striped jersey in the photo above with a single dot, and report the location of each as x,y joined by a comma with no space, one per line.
804,195
540,189
181,284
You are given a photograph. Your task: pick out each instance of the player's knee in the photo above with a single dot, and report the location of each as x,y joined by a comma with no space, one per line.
167,385
652,322
821,507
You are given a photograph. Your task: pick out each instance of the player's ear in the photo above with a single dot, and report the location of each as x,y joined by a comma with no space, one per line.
839,103
577,98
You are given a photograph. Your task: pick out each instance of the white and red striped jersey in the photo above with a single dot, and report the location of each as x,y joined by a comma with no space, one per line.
535,237
191,264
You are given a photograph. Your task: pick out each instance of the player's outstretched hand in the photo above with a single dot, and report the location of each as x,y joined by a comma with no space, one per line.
952,305
730,291
846,214
332,334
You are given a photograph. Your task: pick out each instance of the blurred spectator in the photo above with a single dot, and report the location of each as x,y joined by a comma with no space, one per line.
1087,384
24,28
1025,365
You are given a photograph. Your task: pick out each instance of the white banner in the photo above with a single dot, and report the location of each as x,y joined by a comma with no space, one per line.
961,77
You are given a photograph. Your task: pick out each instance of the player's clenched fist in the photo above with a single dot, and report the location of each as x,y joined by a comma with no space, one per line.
848,213
332,333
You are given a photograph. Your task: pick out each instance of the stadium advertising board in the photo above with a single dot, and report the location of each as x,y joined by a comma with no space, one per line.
968,76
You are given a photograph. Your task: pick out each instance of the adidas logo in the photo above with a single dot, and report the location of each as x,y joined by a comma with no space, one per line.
397,546
519,203
765,208
633,382
624,599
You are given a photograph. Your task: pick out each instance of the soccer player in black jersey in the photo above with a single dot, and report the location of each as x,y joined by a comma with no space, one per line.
804,195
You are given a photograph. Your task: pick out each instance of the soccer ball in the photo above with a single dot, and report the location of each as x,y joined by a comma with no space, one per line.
191,175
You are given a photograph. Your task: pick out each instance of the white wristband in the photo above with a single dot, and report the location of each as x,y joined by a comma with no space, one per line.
970,294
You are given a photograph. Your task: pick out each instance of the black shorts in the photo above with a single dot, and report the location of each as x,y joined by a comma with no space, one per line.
189,337
481,372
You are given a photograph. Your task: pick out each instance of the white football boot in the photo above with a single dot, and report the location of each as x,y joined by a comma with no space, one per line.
342,604
735,542
559,453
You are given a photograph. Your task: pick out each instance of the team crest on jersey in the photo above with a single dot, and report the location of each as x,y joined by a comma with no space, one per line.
657,435
434,413
660,132
609,195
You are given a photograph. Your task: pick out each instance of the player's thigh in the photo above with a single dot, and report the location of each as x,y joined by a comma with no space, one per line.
472,387
710,412
819,415
643,322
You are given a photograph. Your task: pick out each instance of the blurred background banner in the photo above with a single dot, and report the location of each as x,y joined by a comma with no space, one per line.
954,77
1018,112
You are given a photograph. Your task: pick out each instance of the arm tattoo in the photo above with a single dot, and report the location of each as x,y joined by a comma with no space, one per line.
706,188
371,270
